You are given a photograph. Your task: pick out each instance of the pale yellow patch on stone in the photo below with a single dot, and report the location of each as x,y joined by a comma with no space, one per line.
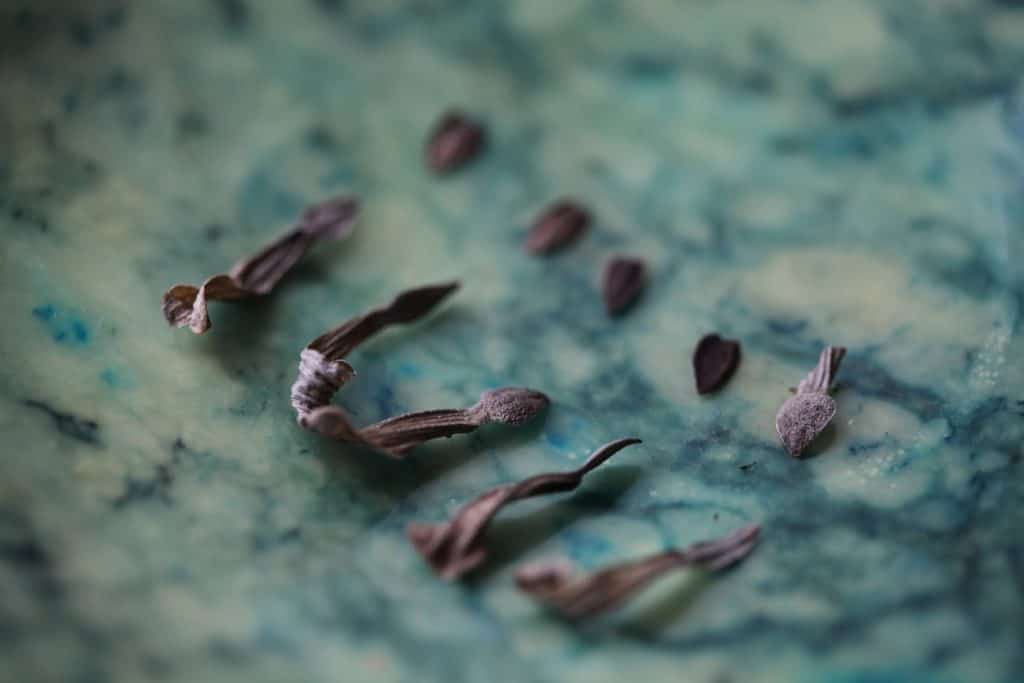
990,361
576,363
722,454
764,210
544,16
231,619
831,31
856,297
424,256
888,475
1005,27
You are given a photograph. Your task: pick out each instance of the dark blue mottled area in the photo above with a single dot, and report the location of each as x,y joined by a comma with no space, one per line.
794,173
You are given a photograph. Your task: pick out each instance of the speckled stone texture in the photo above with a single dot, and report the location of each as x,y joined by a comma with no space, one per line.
794,174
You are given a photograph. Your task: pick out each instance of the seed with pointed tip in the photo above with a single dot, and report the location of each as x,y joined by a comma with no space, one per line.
335,217
456,547
580,596
801,418
186,305
622,283
560,224
454,141
806,414
714,361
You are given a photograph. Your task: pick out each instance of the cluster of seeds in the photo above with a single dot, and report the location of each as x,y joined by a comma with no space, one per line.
457,547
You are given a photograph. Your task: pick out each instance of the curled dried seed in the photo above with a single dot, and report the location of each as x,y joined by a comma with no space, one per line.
821,377
806,414
186,305
454,141
396,436
714,361
561,223
622,283
456,547
554,584
322,368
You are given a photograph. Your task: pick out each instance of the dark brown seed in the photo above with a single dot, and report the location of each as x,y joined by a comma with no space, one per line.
185,305
396,436
456,547
806,414
801,418
560,224
454,141
622,283
714,361
553,583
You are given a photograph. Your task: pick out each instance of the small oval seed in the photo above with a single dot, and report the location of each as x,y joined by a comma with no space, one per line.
714,361
622,284
558,225
454,141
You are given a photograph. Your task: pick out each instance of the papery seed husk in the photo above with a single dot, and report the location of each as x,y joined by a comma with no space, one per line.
820,379
186,305
555,584
396,436
456,547
322,366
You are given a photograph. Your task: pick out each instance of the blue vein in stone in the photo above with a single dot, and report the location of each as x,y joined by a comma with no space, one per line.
70,425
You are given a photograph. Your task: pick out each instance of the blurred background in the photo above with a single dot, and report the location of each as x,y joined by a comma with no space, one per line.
794,173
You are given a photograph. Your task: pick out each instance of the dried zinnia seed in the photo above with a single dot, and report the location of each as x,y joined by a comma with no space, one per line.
322,366
396,436
454,141
561,223
455,548
185,305
801,418
806,414
622,283
714,361
323,370
576,597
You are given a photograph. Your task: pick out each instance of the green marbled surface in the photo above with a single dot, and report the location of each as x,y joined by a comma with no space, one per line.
795,174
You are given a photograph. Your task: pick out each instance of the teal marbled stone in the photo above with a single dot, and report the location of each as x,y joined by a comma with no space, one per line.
795,173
